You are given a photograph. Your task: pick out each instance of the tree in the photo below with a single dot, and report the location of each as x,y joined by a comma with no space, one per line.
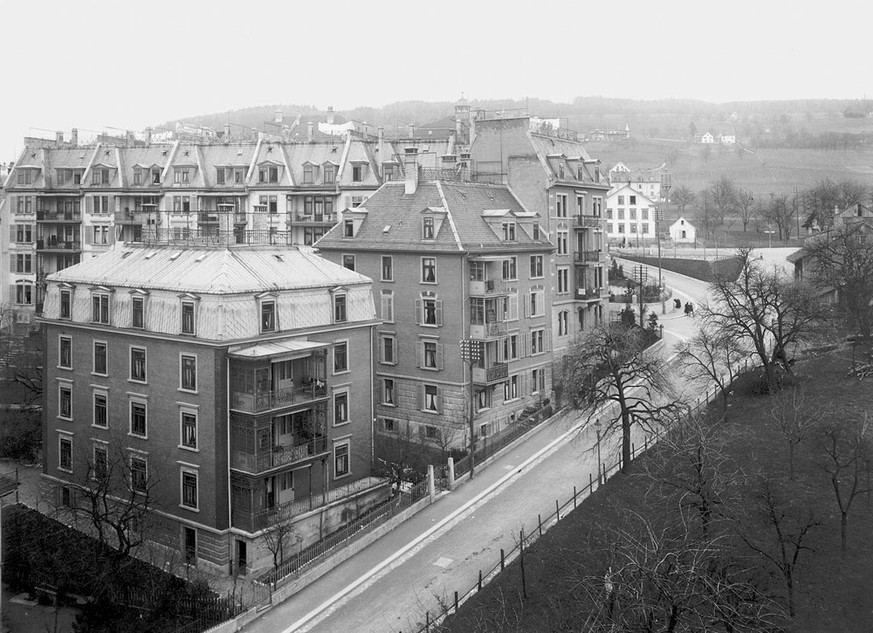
763,311
708,215
826,196
780,213
712,354
790,528
610,366
847,463
682,196
724,196
796,418
279,539
745,207
842,261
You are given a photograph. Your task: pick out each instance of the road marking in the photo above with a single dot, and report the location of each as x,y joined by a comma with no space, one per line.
342,593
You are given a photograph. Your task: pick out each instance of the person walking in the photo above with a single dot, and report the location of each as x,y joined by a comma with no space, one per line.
688,308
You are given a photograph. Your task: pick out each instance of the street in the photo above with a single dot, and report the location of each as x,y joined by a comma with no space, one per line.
418,566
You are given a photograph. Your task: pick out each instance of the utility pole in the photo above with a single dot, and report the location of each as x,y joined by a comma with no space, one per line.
471,353
641,274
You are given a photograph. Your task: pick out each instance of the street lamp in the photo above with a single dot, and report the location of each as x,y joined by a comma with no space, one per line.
471,353
597,428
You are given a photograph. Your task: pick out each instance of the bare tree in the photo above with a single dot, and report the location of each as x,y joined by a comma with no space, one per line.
712,354
682,196
780,213
280,539
841,260
745,207
847,462
826,196
723,192
796,418
791,531
610,366
763,311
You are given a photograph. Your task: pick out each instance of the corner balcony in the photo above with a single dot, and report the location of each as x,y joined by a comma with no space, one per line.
589,222
488,287
587,256
59,217
590,294
278,398
54,246
490,375
488,330
278,455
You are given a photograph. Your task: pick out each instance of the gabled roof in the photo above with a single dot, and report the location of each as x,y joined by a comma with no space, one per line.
209,270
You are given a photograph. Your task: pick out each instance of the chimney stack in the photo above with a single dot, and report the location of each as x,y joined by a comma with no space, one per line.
59,137
311,131
74,137
410,167
330,115
227,132
148,136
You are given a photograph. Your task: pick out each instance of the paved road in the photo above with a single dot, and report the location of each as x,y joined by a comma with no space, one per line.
389,585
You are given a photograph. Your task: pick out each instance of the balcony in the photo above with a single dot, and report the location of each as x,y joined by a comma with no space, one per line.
592,293
488,330
587,256
58,217
320,219
277,456
209,217
52,245
489,375
129,216
589,222
279,398
488,287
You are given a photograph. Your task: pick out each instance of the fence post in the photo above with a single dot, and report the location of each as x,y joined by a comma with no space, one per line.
574,494
557,511
502,560
591,482
456,603
633,450
431,488
427,622
540,523
450,475
480,581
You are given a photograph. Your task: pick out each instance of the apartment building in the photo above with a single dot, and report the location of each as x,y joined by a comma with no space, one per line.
222,379
630,216
452,261
551,173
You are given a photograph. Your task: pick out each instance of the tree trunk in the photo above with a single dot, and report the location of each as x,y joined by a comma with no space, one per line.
844,519
791,461
625,441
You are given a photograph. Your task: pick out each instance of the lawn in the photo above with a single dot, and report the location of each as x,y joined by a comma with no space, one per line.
831,591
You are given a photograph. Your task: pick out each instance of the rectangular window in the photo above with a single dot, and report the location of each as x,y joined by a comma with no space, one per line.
510,347
428,270
563,242
138,420
138,364
24,233
189,489
508,231
139,474
388,350
187,317
430,355
357,173
388,306
101,462
348,228
537,339
341,460
101,409
388,391
340,358
340,408
65,352
536,266
580,205
100,309
536,303
65,402
137,312
188,373
561,205
65,453
510,388
431,312
268,316
23,294
339,308
510,270
563,280
349,262
219,175
189,429
329,174
431,398
387,268
427,228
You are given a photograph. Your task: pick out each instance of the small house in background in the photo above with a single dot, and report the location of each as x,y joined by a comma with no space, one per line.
683,231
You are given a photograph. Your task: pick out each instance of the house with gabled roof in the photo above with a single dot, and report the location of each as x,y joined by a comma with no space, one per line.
230,385
451,261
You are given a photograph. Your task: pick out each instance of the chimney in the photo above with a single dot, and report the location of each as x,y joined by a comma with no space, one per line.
130,138
330,115
410,167
311,130
148,136
74,137
59,137
227,132
411,131
278,117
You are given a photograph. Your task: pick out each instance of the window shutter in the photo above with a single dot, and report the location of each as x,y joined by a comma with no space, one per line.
420,392
418,311
12,266
439,356
87,237
438,399
89,204
547,341
439,312
525,344
13,236
527,296
420,354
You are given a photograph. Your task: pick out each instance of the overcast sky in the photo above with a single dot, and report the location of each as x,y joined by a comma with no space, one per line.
97,65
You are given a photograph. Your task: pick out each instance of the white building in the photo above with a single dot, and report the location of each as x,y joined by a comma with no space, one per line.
629,215
683,231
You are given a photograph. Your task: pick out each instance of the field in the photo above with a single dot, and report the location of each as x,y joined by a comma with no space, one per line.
564,571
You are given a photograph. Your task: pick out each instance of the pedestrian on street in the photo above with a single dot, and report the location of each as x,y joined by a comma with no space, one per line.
688,309
677,303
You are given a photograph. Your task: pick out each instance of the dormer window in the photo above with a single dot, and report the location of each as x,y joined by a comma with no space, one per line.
100,177
268,315
25,176
358,172
181,176
329,174
560,172
61,176
309,174
536,231
268,174
77,178
220,176
348,228
427,232
509,231
239,176
137,176
156,176
339,308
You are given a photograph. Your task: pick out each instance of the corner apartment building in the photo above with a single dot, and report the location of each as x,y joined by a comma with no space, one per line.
231,383
452,261
550,172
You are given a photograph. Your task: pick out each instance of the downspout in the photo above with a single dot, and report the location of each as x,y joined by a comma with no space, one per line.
229,512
